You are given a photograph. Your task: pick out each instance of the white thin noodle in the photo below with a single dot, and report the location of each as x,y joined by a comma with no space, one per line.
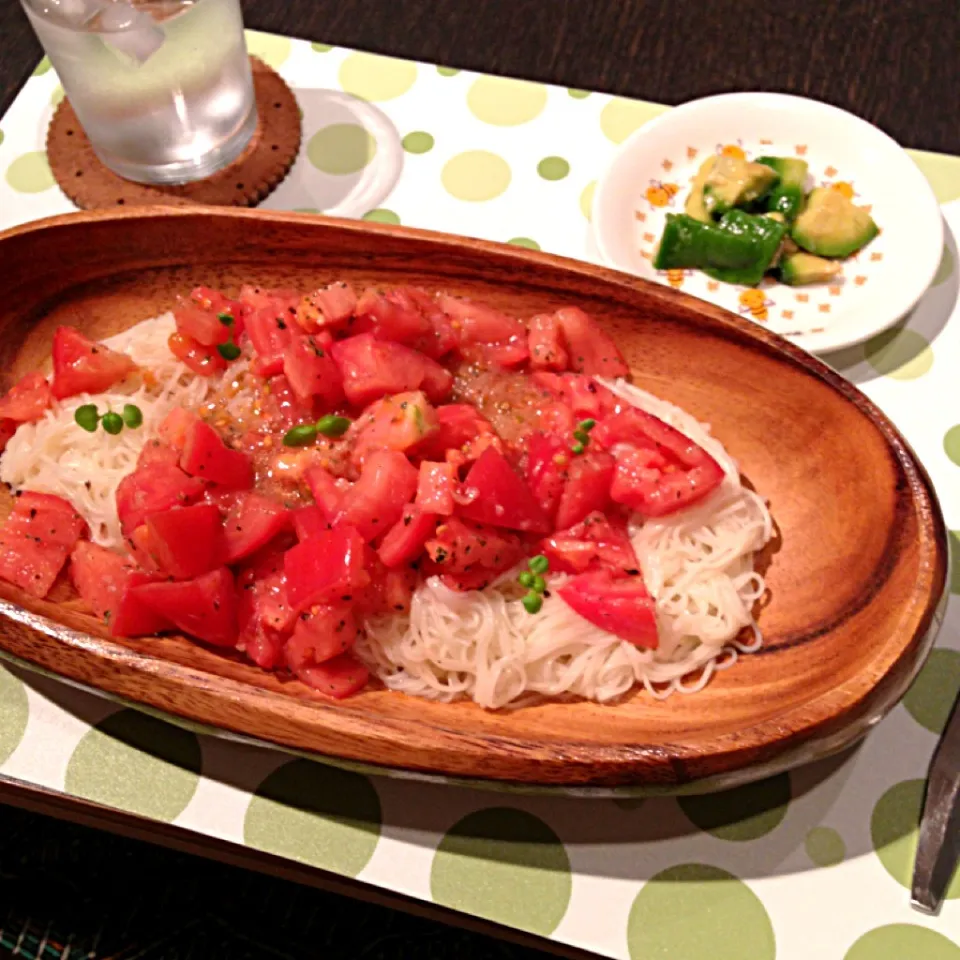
697,564
54,455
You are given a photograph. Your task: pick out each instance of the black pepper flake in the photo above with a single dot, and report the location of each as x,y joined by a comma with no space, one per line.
346,598
398,606
33,512
304,616
632,572
406,521
281,324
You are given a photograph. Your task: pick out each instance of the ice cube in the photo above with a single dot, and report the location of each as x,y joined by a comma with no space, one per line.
73,13
130,32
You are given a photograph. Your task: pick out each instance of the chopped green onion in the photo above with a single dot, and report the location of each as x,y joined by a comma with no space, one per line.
532,602
587,425
526,579
581,435
578,448
300,436
333,426
539,564
87,417
112,422
225,319
132,415
228,350
539,584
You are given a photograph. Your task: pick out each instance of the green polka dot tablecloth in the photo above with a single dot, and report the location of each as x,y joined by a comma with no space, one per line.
815,864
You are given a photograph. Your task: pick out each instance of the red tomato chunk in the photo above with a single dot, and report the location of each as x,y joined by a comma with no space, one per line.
321,633
36,540
206,456
495,494
405,540
375,502
338,678
82,366
27,400
252,523
187,541
152,489
325,569
622,607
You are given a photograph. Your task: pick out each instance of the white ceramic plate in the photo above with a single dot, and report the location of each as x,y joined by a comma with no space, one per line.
650,177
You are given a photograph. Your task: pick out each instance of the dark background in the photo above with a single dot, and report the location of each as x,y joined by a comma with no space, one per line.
894,62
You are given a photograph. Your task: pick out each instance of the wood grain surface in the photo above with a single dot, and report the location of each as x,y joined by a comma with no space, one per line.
856,575
893,62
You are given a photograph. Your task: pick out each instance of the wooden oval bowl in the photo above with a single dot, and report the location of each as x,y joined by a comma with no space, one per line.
857,577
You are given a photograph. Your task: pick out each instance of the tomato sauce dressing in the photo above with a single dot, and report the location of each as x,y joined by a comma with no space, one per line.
364,442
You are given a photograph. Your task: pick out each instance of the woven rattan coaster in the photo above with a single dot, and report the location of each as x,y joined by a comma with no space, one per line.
254,174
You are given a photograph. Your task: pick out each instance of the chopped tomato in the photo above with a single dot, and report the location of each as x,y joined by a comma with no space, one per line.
309,522
581,394
321,633
458,424
7,429
264,614
405,539
326,489
435,487
281,404
201,325
103,580
152,489
375,502
280,301
487,334
441,338
175,426
399,422
187,541
27,399
310,370
338,678
390,590
658,469
270,333
205,455
391,316
622,607
547,460
495,494
204,361
460,547
595,542
587,487
546,347
36,540
325,568
251,524
591,350
205,607
329,306
214,302
156,451
82,366
373,368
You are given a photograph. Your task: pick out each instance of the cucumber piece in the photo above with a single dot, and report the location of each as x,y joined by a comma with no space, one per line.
694,206
735,183
832,225
798,269
787,196
761,236
733,245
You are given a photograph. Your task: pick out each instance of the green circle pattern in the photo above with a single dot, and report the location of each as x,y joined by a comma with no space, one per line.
524,242
825,847
578,94
695,911
901,354
743,813
14,713
893,831
953,538
319,815
903,941
503,102
30,173
136,763
951,444
417,142
321,47
381,215
504,865
476,175
341,149
553,168
375,78
42,67
932,695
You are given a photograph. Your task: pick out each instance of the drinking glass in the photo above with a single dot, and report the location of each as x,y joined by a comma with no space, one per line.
162,87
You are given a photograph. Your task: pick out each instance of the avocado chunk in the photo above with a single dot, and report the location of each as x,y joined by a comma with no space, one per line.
787,196
798,269
694,206
735,183
761,236
831,225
